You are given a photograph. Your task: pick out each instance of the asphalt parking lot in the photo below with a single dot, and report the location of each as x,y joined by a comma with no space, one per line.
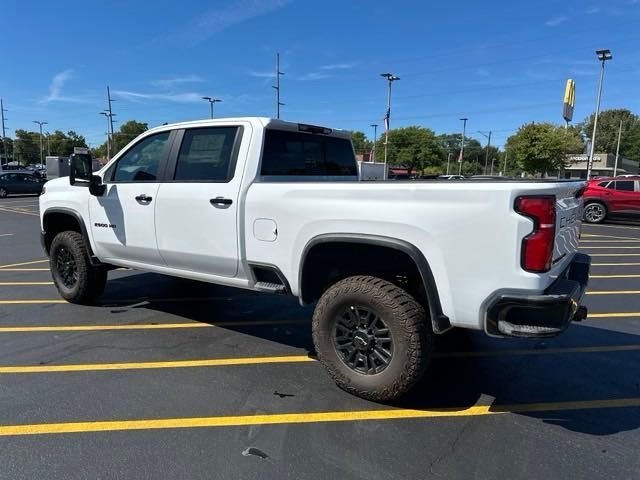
168,378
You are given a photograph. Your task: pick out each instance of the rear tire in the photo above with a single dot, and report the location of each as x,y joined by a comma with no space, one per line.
75,278
595,212
372,337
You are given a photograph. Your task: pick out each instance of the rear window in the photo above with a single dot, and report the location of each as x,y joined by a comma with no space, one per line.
303,154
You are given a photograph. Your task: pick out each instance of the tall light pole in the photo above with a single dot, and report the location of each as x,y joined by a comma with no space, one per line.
375,139
464,133
41,148
4,137
48,143
615,165
387,118
486,158
211,101
603,56
276,87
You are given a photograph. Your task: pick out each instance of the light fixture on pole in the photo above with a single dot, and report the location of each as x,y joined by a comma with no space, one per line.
375,139
603,56
464,133
211,101
387,118
41,147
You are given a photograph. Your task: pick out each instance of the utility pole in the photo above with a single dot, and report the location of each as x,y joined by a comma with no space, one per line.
48,143
603,56
277,85
448,161
111,114
486,158
504,171
615,165
387,118
464,133
106,114
4,136
375,139
41,147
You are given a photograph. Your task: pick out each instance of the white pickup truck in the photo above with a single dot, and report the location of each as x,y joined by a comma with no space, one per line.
277,207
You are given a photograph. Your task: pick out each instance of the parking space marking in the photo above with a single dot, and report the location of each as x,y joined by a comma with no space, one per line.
148,326
310,417
22,284
589,247
24,270
609,236
615,264
613,315
6,234
614,292
32,302
9,210
630,275
23,263
225,362
610,241
614,255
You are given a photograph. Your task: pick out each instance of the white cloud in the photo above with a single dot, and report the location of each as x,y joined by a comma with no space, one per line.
338,66
314,76
55,89
172,81
555,21
186,97
220,18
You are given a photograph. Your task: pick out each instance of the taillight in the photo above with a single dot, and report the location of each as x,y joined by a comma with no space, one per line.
537,247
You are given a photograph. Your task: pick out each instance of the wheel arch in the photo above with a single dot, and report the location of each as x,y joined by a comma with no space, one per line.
59,219
308,292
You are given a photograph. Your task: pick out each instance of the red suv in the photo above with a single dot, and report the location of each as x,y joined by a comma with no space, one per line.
609,197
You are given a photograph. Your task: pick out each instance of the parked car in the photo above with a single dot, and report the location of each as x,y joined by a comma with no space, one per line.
612,197
388,265
451,177
20,182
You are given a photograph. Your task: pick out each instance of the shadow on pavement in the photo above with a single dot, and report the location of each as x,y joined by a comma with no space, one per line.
454,381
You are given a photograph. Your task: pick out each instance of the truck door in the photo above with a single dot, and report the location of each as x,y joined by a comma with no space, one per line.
197,209
123,218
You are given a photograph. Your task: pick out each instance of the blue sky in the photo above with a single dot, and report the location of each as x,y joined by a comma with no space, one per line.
500,63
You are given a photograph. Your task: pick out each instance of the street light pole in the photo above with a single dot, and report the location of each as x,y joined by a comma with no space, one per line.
41,147
615,165
211,101
387,118
464,133
486,158
4,137
603,56
375,139
448,160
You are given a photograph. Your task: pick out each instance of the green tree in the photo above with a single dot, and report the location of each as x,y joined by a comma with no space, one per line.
27,147
607,132
360,143
414,148
542,147
62,144
8,144
451,143
127,132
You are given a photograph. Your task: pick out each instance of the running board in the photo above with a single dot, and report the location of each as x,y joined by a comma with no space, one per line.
270,287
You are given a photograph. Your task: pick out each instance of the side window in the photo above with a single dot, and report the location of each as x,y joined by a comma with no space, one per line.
206,155
301,154
604,184
140,163
626,185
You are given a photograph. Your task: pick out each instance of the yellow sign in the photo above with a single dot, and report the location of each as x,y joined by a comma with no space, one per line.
569,100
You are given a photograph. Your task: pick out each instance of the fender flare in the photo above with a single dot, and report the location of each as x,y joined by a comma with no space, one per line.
83,230
439,320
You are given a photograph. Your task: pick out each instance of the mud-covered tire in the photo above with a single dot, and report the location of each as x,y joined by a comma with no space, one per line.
75,278
405,320
595,212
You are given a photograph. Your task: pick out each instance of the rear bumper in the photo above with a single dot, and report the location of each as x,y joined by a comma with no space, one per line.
542,315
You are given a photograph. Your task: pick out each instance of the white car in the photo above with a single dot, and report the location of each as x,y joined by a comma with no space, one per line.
276,207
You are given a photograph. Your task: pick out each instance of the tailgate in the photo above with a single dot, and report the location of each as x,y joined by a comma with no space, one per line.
568,221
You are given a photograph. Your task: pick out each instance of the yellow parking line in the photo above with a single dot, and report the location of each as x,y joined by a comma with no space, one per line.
631,275
23,263
613,315
609,236
21,284
614,254
310,417
612,226
147,326
24,270
615,292
615,264
9,210
225,362
609,241
610,248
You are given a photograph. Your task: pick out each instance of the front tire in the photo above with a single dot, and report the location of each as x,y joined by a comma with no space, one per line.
372,337
595,212
75,278
3,193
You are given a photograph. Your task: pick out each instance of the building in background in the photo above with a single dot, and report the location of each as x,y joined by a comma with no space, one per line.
603,165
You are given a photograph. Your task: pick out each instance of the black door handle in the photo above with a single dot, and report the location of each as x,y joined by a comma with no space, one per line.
144,198
221,201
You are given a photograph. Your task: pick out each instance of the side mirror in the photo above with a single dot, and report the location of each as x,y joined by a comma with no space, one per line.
96,187
80,165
